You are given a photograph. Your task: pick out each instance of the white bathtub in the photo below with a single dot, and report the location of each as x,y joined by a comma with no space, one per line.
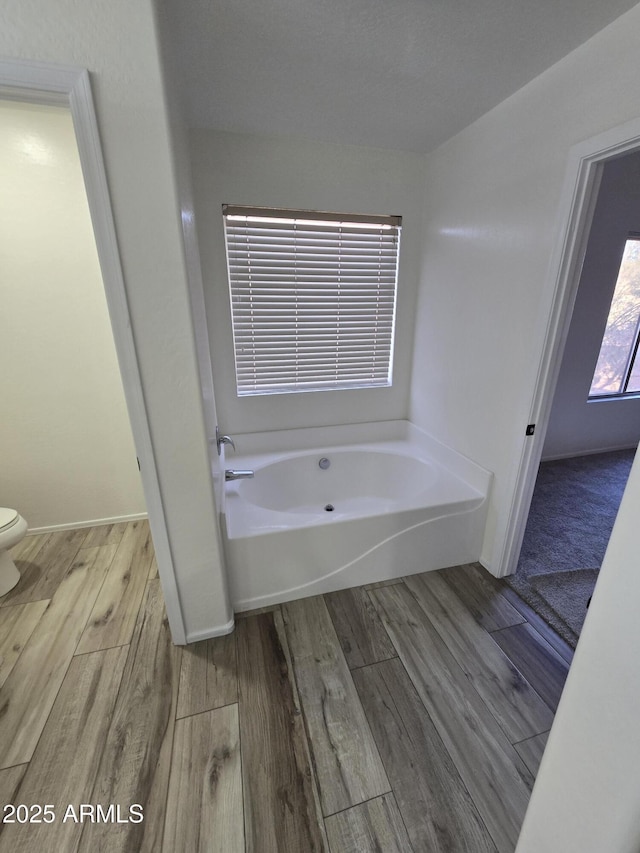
392,502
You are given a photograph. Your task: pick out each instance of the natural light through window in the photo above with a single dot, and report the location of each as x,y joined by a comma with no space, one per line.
313,299
618,369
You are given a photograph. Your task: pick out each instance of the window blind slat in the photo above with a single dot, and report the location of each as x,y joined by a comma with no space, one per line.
371,274
315,348
312,298
288,266
282,359
297,293
310,232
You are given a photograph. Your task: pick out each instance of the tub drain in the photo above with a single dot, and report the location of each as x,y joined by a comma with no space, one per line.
329,508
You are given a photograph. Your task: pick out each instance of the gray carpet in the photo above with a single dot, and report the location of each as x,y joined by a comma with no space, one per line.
567,593
574,505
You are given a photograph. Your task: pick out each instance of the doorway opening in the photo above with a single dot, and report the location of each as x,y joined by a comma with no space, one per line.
73,461
586,442
44,83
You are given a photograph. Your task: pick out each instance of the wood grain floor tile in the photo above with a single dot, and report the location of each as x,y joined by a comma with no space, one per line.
531,751
492,771
513,702
345,757
435,805
30,574
358,626
105,534
113,617
541,665
278,621
28,548
208,675
10,779
372,827
380,584
257,611
204,804
30,690
153,568
458,784
25,556
137,754
555,641
485,603
17,623
44,572
280,809
64,765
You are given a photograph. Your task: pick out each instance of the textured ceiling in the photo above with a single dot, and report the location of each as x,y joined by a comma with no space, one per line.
404,74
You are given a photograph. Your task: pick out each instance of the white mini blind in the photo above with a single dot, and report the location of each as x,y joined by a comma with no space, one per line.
313,298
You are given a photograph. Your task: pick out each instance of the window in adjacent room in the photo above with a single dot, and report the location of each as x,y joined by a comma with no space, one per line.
313,298
618,369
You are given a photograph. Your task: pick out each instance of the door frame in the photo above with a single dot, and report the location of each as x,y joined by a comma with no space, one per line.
46,83
577,203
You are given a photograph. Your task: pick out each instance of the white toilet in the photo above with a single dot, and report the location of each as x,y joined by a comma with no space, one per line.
13,527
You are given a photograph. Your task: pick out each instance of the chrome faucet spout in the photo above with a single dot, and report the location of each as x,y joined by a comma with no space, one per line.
223,439
230,474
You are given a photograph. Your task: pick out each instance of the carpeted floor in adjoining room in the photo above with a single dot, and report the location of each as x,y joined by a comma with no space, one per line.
574,506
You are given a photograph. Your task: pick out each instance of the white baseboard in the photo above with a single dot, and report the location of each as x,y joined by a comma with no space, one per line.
209,633
76,525
573,454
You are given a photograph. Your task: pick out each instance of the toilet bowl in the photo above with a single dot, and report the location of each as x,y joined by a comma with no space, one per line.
13,527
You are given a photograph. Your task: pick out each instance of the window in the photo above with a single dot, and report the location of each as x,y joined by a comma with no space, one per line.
617,372
312,299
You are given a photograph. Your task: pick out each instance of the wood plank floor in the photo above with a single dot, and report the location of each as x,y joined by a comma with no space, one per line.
408,716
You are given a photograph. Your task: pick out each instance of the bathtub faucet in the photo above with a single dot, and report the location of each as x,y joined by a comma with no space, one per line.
229,474
223,439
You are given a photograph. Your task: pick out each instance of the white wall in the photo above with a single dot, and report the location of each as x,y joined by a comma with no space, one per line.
184,184
491,200
492,194
260,171
578,425
587,795
69,456
117,42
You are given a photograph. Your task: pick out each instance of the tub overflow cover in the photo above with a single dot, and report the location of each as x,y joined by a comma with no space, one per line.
324,463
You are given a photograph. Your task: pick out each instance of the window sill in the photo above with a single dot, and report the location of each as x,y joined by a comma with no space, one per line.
608,398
